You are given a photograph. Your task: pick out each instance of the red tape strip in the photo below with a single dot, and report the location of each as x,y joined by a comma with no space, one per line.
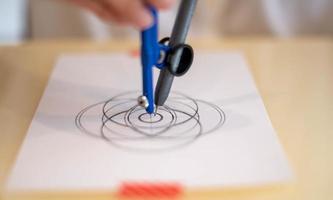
165,190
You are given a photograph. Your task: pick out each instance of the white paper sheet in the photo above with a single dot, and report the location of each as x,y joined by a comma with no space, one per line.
57,155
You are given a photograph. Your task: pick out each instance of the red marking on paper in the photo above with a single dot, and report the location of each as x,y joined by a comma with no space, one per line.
135,53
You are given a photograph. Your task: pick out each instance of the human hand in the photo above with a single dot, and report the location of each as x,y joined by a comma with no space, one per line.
127,12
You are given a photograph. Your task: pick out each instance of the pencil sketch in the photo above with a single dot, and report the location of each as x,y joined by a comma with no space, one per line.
123,123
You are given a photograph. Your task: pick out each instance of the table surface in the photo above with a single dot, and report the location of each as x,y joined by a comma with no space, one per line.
294,77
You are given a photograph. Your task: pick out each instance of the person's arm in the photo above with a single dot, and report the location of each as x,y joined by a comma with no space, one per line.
127,12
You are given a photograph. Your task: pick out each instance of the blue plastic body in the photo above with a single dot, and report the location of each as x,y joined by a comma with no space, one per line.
150,55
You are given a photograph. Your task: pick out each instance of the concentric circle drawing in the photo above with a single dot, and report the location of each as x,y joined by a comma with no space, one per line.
124,124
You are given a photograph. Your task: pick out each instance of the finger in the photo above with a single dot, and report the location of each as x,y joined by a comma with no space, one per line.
132,12
161,4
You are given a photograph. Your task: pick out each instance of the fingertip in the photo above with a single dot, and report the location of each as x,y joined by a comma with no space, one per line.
144,21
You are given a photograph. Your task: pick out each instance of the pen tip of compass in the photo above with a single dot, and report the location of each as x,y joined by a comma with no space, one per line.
156,109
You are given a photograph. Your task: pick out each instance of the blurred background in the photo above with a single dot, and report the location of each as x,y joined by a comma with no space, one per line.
56,19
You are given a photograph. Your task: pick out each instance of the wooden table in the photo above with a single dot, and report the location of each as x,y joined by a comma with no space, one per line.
294,77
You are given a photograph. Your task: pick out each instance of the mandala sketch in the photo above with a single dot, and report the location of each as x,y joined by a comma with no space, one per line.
125,124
